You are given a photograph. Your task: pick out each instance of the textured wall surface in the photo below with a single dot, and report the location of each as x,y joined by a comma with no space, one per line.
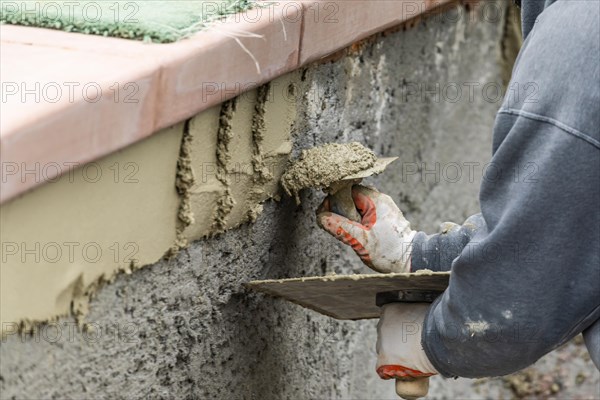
187,328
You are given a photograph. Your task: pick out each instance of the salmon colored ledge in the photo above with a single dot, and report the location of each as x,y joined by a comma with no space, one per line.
70,98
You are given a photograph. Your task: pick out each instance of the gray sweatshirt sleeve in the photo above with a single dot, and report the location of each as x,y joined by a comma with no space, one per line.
526,272
437,252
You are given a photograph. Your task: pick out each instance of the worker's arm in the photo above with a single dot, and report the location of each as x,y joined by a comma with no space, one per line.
528,278
525,272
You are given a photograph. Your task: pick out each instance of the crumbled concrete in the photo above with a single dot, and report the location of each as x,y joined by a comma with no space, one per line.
187,328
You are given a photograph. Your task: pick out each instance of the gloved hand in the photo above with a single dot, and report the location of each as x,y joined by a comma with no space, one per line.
383,239
399,350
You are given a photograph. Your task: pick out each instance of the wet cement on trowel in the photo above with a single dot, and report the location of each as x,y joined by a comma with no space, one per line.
321,166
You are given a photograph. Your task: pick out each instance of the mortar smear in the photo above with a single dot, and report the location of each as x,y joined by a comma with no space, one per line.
224,136
321,166
184,181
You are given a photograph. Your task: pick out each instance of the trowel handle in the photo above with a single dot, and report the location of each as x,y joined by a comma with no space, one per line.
341,203
412,388
409,388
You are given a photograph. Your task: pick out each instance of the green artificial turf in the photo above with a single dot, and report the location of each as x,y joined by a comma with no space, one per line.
149,20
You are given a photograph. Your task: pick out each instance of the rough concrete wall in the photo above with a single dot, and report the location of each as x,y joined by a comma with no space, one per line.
186,328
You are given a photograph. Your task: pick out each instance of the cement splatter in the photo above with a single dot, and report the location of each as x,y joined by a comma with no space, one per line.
477,327
321,166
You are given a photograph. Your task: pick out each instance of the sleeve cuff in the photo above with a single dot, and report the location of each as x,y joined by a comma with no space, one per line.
430,341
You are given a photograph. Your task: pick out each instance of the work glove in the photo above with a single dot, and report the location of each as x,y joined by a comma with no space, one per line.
399,350
383,238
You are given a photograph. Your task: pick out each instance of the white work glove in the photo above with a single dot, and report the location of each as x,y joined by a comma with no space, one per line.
399,350
383,239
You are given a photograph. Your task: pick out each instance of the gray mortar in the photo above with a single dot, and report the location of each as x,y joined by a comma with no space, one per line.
224,136
184,182
258,128
186,328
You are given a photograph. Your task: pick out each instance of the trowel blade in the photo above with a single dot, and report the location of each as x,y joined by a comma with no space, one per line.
349,297
378,168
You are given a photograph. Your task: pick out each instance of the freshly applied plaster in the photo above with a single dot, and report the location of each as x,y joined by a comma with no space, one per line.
194,180
184,181
62,240
239,151
261,170
225,135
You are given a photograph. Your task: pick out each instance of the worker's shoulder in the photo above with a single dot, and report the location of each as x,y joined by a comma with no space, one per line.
579,18
557,75
564,46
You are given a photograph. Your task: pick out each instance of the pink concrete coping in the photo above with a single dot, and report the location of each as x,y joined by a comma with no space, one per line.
70,98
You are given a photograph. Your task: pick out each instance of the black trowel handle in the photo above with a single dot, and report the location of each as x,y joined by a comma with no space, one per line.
341,202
